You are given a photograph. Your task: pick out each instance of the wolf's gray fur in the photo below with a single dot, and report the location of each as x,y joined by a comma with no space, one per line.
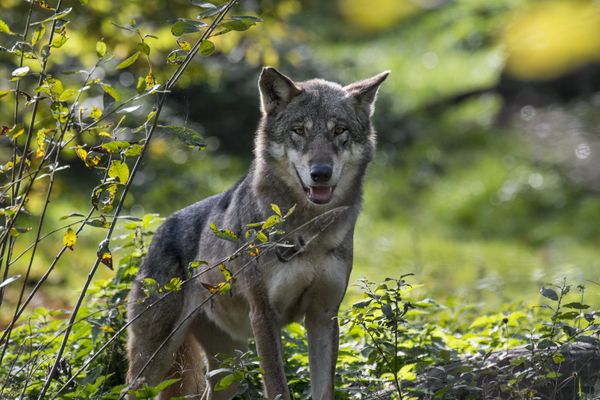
313,145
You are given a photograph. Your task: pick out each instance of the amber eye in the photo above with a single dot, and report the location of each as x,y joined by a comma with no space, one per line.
298,130
339,130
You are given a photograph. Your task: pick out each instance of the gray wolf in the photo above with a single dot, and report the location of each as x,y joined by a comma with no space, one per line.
312,147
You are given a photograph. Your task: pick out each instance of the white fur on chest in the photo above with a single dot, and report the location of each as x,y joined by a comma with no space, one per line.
293,285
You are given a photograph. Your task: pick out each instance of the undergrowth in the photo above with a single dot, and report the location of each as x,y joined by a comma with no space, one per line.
392,345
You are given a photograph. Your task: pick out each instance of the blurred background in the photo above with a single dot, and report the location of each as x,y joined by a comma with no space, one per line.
487,176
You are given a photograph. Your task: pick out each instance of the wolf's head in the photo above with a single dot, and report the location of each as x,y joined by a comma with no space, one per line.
316,136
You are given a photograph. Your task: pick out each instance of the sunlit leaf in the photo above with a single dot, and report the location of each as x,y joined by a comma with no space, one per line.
60,112
4,28
38,34
96,113
271,221
133,150
5,92
129,60
150,80
220,287
276,209
225,233
67,95
183,45
113,147
59,40
119,170
104,254
41,142
70,238
261,236
111,91
100,48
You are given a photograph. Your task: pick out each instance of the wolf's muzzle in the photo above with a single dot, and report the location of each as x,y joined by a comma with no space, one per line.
321,173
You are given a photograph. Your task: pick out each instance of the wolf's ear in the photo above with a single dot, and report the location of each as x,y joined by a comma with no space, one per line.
365,92
276,89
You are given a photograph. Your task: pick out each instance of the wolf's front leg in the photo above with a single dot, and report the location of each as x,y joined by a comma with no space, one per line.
323,341
267,334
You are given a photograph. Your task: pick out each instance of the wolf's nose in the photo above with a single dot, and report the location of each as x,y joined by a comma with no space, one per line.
320,172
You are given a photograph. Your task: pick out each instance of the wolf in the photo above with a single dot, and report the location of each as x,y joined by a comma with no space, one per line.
312,147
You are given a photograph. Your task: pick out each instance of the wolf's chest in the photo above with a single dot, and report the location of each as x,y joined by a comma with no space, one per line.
292,286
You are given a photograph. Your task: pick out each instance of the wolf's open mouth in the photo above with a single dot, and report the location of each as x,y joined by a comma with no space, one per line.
319,194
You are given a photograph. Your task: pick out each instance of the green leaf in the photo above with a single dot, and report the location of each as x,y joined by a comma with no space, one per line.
549,293
196,264
276,209
143,48
225,382
261,236
114,146
38,34
4,28
174,285
186,26
67,95
188,136
59,15
133,150
240,23
129,60
207,48
271,221
111,91
577,306
100,48
119,170
59,40
225,234
5,92
176,56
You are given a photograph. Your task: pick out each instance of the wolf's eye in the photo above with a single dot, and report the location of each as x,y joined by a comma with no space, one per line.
298,130
339,130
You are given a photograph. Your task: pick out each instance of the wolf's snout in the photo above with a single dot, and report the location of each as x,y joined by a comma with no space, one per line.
320,173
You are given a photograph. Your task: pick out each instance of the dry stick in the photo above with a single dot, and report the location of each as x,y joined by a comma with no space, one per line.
92,272
14,154
334,212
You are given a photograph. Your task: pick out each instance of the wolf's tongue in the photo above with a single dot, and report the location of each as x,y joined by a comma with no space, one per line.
320,194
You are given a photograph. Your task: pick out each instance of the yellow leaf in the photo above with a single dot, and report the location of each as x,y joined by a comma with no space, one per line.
70,238
119,170
183,45
41,143
150,81
96,113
